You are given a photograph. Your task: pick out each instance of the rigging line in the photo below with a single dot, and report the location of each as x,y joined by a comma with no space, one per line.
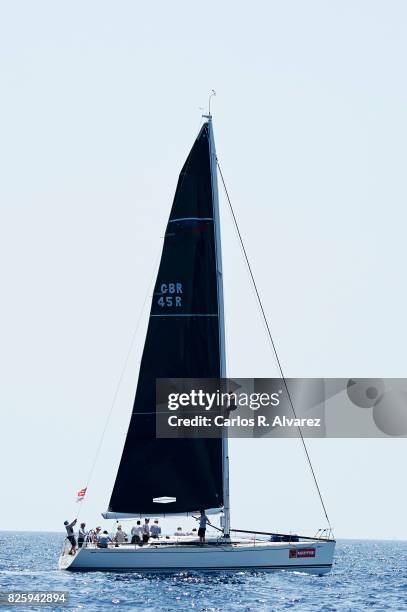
272,342
126,361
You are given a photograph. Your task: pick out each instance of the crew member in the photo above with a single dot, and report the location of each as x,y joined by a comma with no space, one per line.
71,535
121,536
155,529
146,530
82,535
136,533
103,540
203,521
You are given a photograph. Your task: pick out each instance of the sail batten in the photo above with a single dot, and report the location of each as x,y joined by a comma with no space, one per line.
191,219
182,341
189,314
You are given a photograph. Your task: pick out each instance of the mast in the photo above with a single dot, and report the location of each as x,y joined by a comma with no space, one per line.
222,347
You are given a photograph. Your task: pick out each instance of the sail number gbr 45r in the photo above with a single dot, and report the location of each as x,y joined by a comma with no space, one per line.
170,295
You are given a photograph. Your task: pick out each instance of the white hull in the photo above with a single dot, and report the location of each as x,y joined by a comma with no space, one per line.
313,556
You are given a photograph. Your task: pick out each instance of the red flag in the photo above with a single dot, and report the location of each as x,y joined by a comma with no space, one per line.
81,494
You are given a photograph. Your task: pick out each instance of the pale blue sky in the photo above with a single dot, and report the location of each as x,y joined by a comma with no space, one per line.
99,106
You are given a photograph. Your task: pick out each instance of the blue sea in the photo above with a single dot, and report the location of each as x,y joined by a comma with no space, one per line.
367,575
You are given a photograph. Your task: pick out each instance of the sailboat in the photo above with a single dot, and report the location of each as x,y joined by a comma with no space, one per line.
186,339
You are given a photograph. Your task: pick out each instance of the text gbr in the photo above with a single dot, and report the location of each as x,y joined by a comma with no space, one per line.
170,295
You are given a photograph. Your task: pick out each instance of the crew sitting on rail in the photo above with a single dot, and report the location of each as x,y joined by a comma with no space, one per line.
179,532
103,540
121,536
155,529
192,533
95,534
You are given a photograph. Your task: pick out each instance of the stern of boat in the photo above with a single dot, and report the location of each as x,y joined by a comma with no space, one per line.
65,559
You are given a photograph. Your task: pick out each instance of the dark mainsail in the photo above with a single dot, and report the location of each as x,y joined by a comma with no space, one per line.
182,342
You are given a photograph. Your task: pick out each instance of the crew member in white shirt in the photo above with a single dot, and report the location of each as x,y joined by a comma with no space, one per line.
82,535
136,533
95,535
